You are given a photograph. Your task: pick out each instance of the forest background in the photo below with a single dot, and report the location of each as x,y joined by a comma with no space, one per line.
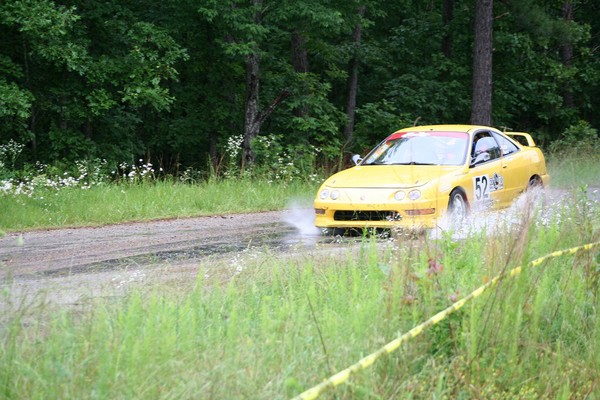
186,84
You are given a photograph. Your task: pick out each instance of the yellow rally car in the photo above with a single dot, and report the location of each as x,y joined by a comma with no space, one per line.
417,175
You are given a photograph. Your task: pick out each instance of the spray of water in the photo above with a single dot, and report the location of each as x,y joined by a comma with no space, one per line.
302,217
543,206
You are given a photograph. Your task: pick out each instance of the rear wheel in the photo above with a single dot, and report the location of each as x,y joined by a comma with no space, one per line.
535,182
457,206
533,192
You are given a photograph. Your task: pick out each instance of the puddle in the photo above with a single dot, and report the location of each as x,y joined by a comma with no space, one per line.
278,239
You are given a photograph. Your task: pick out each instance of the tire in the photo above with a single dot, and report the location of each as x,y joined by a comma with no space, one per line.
458,208
535,182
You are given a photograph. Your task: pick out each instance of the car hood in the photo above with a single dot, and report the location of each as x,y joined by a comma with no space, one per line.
388,176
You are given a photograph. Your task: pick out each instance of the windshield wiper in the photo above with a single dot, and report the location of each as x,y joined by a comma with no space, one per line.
413,163
374,163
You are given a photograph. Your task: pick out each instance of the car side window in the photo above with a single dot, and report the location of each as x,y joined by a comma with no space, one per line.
506,145
485,148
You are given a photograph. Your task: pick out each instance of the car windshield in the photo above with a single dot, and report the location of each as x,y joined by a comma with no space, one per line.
420,148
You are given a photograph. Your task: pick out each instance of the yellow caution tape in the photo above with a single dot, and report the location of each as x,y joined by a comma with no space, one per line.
367,361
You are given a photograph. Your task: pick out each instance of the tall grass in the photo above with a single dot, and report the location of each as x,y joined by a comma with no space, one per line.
113,203
572,169
268,327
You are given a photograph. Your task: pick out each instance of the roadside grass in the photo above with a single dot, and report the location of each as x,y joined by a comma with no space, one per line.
572,170
268,327
115,203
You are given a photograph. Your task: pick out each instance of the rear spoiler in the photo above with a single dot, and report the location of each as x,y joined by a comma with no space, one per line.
522,138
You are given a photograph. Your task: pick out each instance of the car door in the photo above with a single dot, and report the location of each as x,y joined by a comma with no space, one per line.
485,171
515,168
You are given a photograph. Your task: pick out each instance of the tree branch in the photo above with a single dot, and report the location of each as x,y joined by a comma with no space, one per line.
264,114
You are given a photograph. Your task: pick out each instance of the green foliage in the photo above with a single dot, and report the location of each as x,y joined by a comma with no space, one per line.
9,154
279,161
573,159
48,27
529,71
68,80
580,139
166,81
14,102
377,120
151,59
318,125
71,141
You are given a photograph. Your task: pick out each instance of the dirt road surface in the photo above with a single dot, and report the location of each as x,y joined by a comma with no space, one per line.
67,251
69,265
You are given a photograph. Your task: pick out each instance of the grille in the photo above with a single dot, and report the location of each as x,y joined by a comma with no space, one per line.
353,215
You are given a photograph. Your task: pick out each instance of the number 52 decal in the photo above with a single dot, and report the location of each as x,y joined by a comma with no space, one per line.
481,188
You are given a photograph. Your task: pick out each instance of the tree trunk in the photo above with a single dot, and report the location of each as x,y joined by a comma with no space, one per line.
87,129
212,151
447,15
566,54
299,53
251,116
33,128
300,64
353,79
481,108
32,117
252,112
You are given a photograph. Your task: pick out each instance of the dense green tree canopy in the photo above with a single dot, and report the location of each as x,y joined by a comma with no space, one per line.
175,81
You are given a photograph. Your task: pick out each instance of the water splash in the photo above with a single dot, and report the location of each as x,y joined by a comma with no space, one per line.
542,206
302,217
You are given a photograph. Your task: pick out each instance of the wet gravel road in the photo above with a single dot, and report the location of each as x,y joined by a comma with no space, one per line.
68,251
69,264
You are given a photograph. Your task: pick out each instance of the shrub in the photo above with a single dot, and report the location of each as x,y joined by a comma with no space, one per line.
578,138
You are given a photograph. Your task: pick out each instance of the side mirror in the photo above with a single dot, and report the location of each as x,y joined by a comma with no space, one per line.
480,158
356,159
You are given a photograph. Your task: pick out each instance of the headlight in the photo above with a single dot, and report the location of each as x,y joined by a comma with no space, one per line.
414,194
324,193
335,194
399,195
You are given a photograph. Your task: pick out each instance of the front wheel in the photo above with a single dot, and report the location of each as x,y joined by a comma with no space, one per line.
334,231
457,206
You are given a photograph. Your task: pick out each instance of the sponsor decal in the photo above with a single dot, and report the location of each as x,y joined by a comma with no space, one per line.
497,182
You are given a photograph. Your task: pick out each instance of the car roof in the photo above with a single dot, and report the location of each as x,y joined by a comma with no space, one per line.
447,128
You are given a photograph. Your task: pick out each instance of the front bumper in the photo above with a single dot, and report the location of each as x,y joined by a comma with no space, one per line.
413,215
